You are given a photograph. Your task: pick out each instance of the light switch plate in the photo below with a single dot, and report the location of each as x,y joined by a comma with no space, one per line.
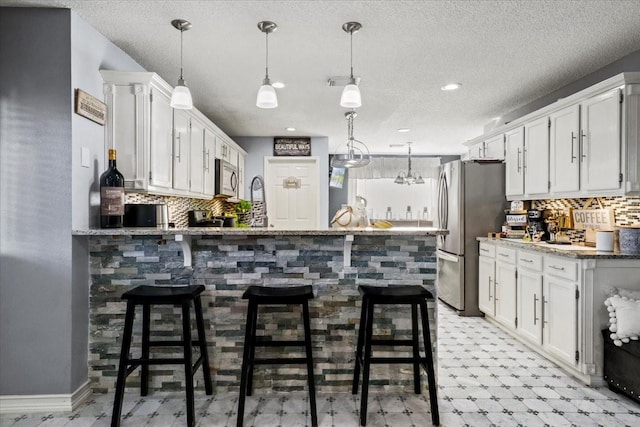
85,157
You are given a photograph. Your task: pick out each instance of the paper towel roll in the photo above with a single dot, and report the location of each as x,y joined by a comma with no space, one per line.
604,241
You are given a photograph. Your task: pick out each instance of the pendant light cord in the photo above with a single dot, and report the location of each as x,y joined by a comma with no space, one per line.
266,59
181,32
351,60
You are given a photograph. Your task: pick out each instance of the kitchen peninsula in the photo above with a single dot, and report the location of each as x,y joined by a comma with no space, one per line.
227,261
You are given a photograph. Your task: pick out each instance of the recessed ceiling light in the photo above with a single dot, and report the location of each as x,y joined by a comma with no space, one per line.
403,130
451,86
278,85
290,129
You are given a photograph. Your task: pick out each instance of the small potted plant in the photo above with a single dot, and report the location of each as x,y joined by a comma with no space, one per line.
243,209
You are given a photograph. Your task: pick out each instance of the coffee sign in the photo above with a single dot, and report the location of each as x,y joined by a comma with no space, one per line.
598,219
292,146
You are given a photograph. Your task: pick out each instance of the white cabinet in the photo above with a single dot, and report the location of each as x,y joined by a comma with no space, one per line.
181,149
490,149
514,171
505,287
160,150
564,158
535,158
486,279
529,296
600,157
560,293
241,178
226,152
209,163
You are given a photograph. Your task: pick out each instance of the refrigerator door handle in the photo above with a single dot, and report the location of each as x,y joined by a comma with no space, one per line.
440,202
445,204
446,256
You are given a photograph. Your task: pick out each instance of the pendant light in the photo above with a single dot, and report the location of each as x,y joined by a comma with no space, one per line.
267,97
357,154
181,96
351,93
408,177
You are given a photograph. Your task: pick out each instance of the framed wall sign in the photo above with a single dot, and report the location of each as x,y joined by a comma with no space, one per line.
90,107
291,146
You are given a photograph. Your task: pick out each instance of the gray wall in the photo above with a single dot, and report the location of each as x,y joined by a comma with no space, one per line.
258,148
44,55
627,63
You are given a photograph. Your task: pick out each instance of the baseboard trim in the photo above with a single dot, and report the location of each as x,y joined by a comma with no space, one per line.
25,404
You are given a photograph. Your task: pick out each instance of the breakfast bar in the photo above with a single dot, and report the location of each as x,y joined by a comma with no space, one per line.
227,261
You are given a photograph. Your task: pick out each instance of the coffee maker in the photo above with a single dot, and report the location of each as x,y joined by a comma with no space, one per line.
536,226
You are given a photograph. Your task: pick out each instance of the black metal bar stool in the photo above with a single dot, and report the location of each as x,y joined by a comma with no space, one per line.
412,295
265,295
162,295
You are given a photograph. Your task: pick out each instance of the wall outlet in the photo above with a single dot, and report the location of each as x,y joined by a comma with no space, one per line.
85,157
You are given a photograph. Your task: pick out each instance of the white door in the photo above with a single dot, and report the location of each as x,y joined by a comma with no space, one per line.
601,142
197,166
486,291
536,157
560,334
564,159
494,148
530,305
505,295
209,162
181,123
514,146
292,192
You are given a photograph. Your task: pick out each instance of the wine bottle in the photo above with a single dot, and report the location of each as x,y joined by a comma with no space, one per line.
111,195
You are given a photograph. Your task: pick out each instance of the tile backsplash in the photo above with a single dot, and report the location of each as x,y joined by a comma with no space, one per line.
626,209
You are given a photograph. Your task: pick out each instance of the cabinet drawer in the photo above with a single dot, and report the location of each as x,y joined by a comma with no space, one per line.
530,260
562,268
506,255
488,250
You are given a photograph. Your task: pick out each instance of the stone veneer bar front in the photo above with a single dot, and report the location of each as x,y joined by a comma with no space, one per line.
226,262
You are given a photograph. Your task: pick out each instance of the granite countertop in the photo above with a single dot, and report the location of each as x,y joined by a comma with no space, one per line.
225,231
569,251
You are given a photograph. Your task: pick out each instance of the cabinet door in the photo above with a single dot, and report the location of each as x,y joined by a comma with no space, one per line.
232,156
181,123
536,157
601,142
197,159
161,151
514,174
486,291
209,163
494,148
476,151
530,305
241,188
564,162
560,333
221,149
505,296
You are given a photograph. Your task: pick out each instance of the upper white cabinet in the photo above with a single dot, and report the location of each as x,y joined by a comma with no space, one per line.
160,150
584,145
490,149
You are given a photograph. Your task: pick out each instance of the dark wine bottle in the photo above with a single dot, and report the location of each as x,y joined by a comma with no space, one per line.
111,195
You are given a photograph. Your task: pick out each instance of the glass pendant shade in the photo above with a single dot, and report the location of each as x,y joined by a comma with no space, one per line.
267,97
181,97
351,96
357,154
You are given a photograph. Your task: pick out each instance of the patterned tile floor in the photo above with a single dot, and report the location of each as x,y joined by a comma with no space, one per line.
486,378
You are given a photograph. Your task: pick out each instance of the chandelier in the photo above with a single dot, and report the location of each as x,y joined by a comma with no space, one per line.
357,154
408,177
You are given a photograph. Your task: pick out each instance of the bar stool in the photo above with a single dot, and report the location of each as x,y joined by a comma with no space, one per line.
265,295
162,295
401,294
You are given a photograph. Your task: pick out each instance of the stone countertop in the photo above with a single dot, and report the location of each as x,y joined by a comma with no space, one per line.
569,251
224,231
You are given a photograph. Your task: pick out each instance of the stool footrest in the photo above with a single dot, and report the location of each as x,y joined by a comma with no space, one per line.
280,361
392,342
397,360
279,343
171,343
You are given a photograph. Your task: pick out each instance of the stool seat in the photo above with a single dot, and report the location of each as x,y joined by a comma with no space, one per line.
415,296
269,295
162,294
146,296
280,295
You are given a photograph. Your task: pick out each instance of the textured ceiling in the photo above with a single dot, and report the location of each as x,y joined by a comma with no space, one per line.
505,53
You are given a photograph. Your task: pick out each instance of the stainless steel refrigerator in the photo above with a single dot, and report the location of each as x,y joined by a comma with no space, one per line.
471,203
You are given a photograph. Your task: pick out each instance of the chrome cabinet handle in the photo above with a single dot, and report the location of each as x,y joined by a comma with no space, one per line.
519,166
484,250
535,309
525,260
504,255
490,288
573,138
178,137
544,301
583,155
556,268
206,161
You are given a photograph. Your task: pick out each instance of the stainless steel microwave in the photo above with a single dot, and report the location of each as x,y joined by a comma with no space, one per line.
226,179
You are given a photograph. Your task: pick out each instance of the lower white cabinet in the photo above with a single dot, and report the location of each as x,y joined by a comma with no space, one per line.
559,300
